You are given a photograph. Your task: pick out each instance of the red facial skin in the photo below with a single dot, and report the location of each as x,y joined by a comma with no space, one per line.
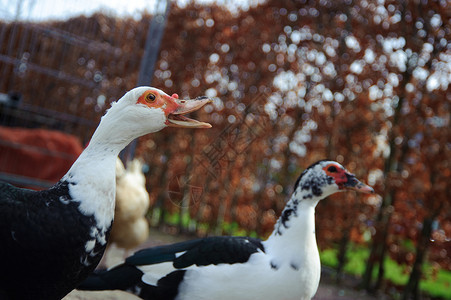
346,180
339,174
154,99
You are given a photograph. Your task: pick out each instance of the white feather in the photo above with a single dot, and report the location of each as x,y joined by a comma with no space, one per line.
153,273
92,176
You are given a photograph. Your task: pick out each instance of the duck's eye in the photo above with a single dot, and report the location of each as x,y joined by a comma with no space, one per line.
332,169
150,97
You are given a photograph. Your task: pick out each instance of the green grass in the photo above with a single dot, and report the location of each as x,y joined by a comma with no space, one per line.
438,286
329,257
172,219
356,260
395,273
232,229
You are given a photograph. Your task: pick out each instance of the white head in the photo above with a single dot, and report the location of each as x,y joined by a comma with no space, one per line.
325,178
318,181
144,110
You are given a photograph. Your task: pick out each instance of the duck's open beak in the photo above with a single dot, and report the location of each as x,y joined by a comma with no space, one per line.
177,118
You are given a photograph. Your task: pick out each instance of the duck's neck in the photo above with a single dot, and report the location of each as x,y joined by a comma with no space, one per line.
92,177
116,130
293,237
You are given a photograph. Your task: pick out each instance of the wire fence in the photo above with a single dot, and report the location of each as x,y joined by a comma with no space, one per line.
61,75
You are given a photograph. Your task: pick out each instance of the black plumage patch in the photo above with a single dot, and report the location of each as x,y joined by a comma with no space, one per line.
290,209
218,250
305,171
167,287
200,252
43,237
316,190
294,266
286,215
121,277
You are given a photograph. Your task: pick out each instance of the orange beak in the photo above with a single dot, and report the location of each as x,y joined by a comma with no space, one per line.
177,119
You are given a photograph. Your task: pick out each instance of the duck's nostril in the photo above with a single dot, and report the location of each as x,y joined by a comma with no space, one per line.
201,98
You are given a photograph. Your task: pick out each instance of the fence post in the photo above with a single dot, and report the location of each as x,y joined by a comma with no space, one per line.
148,61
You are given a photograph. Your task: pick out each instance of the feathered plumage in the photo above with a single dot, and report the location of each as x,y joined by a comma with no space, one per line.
285,266
51,240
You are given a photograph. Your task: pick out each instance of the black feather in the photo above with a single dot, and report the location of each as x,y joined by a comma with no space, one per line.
219,250
43,242
160,254
200,252
167,287
121,277
305,171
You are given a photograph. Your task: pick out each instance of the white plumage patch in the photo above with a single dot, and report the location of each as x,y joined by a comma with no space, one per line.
64,200
178,254
99,236
89,246
153,273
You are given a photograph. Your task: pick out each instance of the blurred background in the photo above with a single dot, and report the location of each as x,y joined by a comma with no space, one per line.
365,83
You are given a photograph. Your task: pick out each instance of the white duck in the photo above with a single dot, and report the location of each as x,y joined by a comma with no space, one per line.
51,240
284,267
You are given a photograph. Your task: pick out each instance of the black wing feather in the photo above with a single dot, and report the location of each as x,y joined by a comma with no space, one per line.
200,252
120,277
160,254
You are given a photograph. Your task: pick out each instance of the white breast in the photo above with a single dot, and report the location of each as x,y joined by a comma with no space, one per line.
94,186
252,280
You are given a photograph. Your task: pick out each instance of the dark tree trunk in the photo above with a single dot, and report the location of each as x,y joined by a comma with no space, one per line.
411,290
378,244
382,249
341,256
